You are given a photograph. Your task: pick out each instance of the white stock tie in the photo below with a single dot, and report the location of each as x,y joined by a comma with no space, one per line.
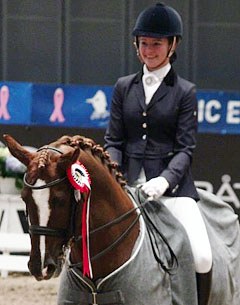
150,85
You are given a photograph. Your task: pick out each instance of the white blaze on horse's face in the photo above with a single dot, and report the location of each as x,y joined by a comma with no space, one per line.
41,198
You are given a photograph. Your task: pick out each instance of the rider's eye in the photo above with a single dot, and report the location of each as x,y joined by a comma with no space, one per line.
68,142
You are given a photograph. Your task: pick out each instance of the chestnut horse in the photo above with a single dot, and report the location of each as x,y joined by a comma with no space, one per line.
77,205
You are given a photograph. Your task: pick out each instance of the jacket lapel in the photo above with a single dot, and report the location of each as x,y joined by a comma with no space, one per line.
159,94
163,89
140,91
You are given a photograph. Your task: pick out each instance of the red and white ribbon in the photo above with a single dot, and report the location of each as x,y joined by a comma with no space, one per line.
79,178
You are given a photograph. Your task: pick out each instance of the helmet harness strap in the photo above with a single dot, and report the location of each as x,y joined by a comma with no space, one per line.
173,47
136,45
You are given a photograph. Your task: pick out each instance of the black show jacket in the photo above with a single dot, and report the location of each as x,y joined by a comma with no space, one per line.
160,136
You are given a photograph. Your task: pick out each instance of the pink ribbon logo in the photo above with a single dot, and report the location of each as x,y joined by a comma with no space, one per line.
58,100
4,97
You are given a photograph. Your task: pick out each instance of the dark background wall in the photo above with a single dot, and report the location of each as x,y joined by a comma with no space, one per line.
90,42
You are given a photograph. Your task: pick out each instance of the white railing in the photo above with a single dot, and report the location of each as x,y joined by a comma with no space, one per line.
14,248
14,243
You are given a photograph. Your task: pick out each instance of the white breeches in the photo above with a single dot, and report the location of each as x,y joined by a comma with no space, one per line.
186,210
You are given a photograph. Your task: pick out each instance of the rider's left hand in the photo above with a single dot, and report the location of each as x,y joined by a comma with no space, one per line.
155,187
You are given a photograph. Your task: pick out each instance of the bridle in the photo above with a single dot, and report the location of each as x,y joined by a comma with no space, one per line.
42,230
51,183
63,233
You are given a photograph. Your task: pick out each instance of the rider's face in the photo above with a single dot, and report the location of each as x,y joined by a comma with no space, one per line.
154,52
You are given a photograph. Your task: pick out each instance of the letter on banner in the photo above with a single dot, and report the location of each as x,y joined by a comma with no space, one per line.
210,117
233,112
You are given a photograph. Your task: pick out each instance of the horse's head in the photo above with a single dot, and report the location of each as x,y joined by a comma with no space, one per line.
48,203
57,211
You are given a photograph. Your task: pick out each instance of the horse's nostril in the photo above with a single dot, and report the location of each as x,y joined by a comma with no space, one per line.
49,262
51,268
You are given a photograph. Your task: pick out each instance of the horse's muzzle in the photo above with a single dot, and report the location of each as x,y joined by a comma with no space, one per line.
50,269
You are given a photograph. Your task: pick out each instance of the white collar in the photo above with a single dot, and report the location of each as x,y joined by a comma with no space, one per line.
160,73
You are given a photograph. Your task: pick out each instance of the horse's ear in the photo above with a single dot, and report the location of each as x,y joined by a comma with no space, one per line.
67,159
16,149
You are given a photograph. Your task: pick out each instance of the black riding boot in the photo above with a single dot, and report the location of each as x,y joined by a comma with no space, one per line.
204,281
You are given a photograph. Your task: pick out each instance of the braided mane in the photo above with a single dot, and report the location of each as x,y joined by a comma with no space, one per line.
43,157
96,150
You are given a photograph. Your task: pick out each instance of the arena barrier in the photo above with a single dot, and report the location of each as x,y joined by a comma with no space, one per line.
14,240
14,248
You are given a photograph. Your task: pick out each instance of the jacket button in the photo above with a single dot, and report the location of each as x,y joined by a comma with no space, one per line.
144,137
175,189
144,125
144,114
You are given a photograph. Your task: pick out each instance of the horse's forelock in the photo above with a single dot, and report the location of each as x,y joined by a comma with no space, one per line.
43,158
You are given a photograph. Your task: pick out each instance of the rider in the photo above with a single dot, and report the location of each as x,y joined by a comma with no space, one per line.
153,124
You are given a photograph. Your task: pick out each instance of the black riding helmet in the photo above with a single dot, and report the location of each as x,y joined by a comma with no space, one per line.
159,21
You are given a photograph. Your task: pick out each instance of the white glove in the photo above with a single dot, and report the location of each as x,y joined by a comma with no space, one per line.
155,187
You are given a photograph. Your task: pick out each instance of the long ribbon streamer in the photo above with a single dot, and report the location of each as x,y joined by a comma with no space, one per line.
87,267
79,178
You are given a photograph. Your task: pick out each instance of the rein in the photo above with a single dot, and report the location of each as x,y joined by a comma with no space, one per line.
115,242
111,223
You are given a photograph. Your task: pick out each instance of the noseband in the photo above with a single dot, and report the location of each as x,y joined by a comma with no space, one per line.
41,230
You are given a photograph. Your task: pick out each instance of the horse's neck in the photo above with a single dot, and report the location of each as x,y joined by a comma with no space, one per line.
108,202
107,190
113,195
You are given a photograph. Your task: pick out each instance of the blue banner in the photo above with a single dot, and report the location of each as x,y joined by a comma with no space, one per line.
88,106
218,112
55,105
72,105
15,103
